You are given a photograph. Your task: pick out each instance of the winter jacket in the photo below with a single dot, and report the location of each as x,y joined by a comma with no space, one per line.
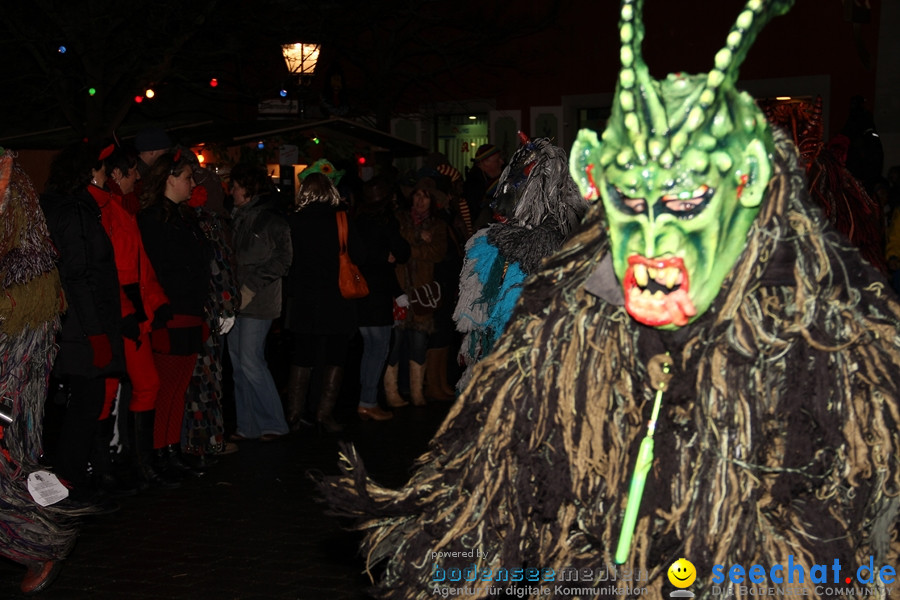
478,190
380,233
315,304
262,250
90,282
419,270
182,258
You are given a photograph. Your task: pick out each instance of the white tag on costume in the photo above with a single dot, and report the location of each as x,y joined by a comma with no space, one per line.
45,488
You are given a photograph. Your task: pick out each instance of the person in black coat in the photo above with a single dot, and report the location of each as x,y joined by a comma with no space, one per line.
385,249
181,256
90,340
322,322
481,183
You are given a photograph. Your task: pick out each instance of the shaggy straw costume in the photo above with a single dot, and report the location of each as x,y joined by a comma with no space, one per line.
30,306
778,435
776,441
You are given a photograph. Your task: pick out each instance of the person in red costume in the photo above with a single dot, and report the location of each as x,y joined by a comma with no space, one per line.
143,301
90,341
124,177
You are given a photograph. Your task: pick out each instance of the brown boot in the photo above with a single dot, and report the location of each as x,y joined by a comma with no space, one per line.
416,383
435,374
298,387
376,413
445,385
391,391
40,575
332,377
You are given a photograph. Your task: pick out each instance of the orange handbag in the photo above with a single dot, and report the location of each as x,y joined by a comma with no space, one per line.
350,280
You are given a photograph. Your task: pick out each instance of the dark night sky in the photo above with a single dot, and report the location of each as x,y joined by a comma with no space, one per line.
419,53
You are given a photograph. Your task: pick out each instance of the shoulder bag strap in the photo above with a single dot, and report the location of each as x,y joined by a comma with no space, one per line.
342,230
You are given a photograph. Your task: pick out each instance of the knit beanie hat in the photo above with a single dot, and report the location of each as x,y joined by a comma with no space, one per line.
152,139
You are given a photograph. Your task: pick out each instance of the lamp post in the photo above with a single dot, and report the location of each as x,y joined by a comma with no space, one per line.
301,59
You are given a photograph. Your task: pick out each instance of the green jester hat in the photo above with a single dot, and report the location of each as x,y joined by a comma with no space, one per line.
681,168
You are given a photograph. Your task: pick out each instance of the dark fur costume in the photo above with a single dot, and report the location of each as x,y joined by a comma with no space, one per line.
537,206
778,436
537,202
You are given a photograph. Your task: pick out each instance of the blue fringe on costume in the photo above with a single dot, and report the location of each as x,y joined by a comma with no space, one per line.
536,205
487,296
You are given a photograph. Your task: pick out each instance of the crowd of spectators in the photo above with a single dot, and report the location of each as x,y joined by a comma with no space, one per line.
177,281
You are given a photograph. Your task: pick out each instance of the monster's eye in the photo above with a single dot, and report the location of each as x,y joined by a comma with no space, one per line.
687,207
634,206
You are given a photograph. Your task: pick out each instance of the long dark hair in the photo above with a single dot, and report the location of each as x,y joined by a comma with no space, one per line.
154,190
70,171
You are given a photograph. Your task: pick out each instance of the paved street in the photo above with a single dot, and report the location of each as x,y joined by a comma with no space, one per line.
249,529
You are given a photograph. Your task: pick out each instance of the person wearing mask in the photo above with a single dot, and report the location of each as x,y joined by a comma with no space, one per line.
537,206
262,251
35,536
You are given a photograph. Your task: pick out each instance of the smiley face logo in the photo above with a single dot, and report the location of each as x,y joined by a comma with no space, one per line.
682,573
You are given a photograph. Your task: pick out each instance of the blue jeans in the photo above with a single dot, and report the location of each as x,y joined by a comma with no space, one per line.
256,399
376,345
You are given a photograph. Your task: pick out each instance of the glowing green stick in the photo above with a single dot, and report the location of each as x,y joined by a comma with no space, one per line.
638,479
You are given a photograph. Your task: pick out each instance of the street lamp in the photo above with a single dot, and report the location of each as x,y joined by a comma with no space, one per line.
301,59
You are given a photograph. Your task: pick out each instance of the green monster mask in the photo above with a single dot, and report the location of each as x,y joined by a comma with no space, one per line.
682,168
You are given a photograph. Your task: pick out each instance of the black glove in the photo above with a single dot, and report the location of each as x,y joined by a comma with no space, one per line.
133,293
130,328
162,316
